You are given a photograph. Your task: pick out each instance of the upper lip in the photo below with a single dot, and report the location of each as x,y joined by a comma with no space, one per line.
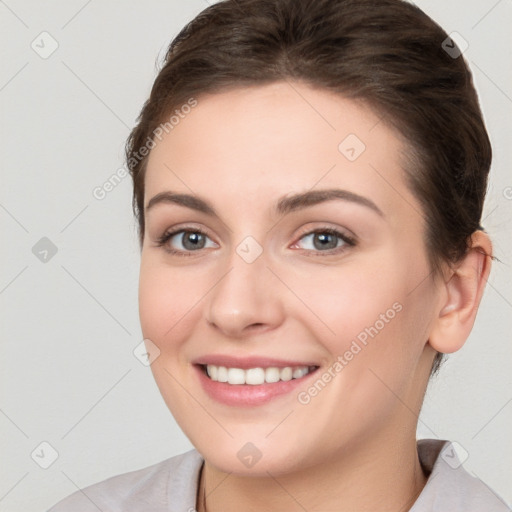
248,362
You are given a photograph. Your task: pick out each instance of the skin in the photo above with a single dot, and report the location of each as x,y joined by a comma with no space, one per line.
353,446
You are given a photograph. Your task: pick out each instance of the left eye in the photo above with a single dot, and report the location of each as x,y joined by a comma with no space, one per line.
324,240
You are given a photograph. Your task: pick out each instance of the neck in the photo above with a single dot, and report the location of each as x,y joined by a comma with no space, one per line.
384,476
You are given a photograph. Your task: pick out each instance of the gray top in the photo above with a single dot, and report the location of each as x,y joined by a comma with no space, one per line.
171,486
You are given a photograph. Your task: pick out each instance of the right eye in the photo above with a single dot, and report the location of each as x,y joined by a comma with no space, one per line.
184,241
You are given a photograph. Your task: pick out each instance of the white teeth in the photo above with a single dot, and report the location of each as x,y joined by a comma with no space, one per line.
213,371
236,376
255,376
272,375
286,373
299,372
222,374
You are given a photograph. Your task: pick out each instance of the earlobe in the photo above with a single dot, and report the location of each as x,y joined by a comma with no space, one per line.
461,298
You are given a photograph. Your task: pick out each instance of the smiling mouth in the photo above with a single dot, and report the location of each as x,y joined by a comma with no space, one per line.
255,376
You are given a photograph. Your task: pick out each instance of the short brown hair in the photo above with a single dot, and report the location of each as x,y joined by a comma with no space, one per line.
386,53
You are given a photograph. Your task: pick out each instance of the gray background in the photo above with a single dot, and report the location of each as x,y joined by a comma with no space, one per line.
69,324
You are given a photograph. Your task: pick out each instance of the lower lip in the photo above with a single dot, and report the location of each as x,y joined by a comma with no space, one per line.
248,395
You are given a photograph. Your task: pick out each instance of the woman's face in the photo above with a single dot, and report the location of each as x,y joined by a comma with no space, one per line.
284,252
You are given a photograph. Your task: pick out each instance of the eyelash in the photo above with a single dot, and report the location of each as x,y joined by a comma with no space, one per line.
162,241
348,241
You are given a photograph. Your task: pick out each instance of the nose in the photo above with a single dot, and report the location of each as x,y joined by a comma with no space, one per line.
247,299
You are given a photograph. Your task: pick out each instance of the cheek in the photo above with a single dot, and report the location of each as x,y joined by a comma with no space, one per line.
376,333
347,299
368,310
168,300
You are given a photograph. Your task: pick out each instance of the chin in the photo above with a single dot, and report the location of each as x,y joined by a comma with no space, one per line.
230,462
246,458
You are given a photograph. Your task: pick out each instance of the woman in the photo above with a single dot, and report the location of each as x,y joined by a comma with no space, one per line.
309,178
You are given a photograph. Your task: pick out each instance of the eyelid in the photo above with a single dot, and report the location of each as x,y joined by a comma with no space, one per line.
344,233
319,225
187,227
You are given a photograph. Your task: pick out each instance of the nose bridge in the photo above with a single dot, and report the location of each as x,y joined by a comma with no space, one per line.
244,297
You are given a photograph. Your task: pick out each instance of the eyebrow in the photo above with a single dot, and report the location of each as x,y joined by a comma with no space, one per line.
284,205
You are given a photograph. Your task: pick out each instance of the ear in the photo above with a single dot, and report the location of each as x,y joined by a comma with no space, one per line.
462,292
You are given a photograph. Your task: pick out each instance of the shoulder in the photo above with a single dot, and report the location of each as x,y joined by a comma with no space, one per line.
450,488
170,483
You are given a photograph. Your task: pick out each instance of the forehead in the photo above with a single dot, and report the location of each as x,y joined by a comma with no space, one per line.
276,138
